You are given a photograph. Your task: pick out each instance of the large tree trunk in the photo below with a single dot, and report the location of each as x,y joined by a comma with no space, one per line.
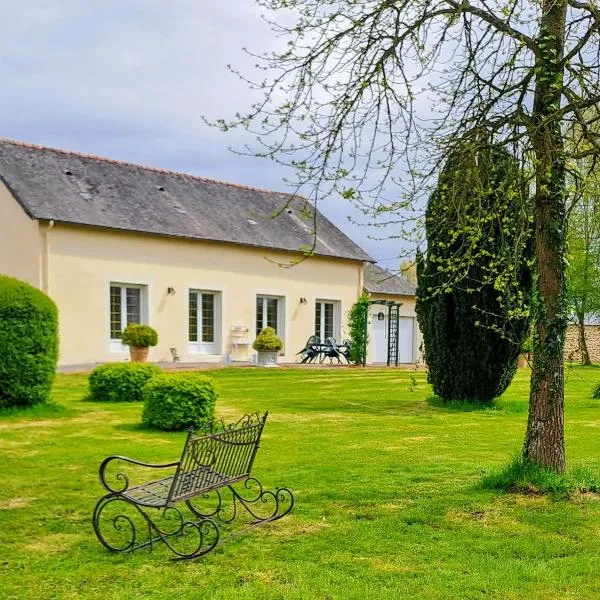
585,355
544,440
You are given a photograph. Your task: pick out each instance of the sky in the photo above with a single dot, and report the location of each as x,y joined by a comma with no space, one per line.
132,79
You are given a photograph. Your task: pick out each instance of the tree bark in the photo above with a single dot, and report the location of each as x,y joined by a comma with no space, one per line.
544,439
585,355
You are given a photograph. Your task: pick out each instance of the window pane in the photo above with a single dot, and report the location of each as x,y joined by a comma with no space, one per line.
318,321
272,313
259,314
193,318
115,313
134,308
208,318
328,309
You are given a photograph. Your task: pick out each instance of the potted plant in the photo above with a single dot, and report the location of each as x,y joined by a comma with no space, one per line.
267,344
139,338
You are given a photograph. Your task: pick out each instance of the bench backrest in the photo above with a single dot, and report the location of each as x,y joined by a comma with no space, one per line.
213,460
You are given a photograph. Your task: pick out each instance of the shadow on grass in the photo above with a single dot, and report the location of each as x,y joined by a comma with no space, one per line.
526,477
460,405
47,410
500,404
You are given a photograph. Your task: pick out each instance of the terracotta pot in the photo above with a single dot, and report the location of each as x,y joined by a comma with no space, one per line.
138,353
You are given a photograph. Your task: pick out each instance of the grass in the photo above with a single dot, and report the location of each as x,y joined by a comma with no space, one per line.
388,484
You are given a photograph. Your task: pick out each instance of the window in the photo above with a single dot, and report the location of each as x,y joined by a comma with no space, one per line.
204,310
269,313
327,319
127,305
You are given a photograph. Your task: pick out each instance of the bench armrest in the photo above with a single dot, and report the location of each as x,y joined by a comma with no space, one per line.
122,477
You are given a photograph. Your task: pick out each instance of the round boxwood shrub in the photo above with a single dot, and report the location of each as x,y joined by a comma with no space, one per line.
28,343
140,336
121,382
176,401
267,341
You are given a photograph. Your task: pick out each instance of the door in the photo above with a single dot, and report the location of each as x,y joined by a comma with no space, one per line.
406,339
379,332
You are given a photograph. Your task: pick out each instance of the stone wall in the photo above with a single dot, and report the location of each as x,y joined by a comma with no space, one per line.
592,336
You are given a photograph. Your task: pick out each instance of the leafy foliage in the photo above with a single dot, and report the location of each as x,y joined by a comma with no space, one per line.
596,391
357,325
173,402
583,271
267,341
474,317
141,336
28,343
120,382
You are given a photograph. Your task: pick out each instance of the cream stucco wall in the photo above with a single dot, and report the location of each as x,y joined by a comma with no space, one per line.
406,310
20,241
84,261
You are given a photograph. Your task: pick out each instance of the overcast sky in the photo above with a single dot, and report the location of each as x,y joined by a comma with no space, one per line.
130,79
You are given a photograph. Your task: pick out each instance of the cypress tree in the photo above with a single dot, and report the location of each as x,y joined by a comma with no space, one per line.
474,283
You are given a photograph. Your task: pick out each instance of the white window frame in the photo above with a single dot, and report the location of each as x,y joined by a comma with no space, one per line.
200,347
337,321
115,345
280,313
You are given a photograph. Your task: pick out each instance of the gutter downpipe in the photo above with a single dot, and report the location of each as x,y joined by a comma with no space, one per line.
46,259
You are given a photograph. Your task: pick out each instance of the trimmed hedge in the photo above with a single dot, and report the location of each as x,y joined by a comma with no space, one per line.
141,336
121,382
267,341
177,401
28,343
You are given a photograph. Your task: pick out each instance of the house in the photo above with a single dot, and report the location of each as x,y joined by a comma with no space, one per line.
394,336
206,263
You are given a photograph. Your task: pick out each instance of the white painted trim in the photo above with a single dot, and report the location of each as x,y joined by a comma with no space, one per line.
146,303
283,321
206,348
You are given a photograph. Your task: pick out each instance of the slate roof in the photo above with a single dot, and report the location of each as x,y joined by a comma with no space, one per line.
380,281
76,188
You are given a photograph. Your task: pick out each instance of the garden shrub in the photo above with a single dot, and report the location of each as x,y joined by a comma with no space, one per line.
357,324
28,344
140,336
474,284
177,401
121,382
267,341
596,391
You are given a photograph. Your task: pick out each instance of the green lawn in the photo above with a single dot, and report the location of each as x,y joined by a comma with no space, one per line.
387,486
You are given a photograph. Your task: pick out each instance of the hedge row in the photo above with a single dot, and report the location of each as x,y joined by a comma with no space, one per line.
171,401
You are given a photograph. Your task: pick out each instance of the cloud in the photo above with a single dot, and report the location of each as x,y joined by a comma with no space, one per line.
131,80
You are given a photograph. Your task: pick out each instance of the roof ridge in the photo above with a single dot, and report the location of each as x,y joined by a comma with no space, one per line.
115,161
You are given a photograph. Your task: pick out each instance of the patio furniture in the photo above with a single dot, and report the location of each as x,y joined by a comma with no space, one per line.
188,509
311,350
331,351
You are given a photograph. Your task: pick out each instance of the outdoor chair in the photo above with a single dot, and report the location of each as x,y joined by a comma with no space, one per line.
311,350
189,508
331,351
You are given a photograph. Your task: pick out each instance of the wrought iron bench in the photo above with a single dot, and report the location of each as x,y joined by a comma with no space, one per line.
190,508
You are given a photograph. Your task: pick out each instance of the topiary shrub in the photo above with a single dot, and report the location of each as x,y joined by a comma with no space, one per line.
140,336
474,284
120,382
173,402
28,343
267,341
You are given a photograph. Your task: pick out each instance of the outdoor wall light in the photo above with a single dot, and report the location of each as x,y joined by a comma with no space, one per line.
380,316
170,291
303,300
